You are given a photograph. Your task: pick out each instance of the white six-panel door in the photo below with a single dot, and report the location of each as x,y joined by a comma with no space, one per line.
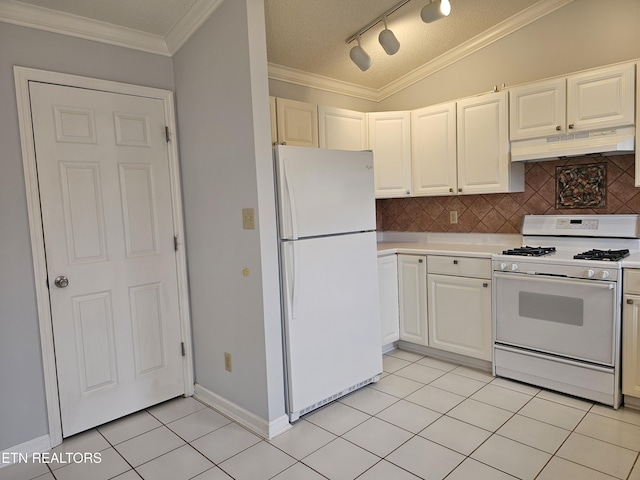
105,192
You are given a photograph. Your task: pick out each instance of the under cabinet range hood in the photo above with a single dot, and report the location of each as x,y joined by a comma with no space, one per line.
611,141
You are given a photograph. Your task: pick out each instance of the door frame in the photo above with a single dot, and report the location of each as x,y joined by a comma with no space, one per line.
23,76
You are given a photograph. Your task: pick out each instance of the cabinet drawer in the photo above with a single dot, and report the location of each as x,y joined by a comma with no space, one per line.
460,266
631,280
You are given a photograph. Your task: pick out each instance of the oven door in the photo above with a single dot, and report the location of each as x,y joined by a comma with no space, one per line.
568,317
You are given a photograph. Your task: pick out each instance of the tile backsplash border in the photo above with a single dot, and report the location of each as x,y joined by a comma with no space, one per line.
503,212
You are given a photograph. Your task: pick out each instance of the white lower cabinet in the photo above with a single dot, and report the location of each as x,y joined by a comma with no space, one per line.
443,302
631,334
459,293
412,285
460,315
389,307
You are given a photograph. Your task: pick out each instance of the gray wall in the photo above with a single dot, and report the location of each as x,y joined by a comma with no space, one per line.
225,154
22,404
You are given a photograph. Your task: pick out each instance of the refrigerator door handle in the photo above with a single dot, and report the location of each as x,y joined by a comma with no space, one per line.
291,203
292,275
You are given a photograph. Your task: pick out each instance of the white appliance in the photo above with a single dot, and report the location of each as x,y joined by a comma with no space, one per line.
609,141
557,303
328,269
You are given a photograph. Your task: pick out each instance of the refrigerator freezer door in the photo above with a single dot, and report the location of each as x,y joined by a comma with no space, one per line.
332,318
324,192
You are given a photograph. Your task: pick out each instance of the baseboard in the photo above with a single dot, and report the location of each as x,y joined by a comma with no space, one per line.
244,417
21,453
632,402
389,347
447,356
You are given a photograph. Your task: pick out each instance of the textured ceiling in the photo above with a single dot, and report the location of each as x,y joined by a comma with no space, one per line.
310,35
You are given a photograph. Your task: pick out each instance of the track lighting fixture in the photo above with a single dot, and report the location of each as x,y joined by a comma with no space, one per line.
431,12
360,57
388,40
435,10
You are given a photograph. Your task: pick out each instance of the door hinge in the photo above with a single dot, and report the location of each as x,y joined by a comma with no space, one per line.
183,351
167,134
175,242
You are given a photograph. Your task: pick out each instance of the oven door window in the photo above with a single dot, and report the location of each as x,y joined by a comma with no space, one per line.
572,318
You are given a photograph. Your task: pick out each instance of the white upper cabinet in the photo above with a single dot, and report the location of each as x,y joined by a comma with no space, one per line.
484,164
538,109
390,140
433,150
297,123
601,98
342,129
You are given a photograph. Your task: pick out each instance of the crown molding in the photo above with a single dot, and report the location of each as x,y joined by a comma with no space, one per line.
518,21
299,77
189,23
501,30
33,16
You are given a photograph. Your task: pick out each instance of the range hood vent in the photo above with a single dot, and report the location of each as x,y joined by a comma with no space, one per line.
613,141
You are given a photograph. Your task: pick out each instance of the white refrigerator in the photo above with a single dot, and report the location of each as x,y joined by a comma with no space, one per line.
328,270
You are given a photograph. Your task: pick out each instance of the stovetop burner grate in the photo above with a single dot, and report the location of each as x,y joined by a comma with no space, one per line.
605,255
530,251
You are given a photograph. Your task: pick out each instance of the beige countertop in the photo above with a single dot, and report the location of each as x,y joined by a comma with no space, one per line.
632,261
454,249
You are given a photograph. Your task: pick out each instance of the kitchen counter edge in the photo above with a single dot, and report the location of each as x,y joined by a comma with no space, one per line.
466,250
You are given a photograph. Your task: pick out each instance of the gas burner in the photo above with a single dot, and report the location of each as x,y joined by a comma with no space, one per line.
605,255
530,251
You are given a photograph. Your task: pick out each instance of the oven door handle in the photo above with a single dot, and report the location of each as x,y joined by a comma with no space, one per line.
609,285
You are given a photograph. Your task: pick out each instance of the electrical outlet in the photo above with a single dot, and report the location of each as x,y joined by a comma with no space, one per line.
227,361
453,216
248,219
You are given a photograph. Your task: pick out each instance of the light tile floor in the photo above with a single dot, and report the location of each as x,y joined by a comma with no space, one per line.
425,419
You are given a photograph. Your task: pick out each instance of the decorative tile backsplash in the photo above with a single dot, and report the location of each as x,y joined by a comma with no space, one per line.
503,212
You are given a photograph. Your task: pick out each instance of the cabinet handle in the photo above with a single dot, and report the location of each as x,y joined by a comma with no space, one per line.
283,143
419,260
459,190
455,262
408,192
485,285
629,301
571,126
558,128
450,190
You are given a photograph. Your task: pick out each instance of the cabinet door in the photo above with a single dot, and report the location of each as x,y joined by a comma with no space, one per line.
389,307
390,140
601,98
537,110
412,282
342,129
433,150
631,346
460,315
483,147
297,123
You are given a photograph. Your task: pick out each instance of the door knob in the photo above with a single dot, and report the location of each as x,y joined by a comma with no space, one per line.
61,281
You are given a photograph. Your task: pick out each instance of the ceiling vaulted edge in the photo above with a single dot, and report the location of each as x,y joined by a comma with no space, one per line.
172,26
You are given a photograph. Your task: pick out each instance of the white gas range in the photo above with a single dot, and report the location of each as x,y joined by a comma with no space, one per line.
557,303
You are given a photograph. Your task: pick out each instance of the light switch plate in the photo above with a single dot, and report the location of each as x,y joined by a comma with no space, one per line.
248,219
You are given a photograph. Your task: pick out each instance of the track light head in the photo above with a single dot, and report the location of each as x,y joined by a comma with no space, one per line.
435,11
360,57
388,40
